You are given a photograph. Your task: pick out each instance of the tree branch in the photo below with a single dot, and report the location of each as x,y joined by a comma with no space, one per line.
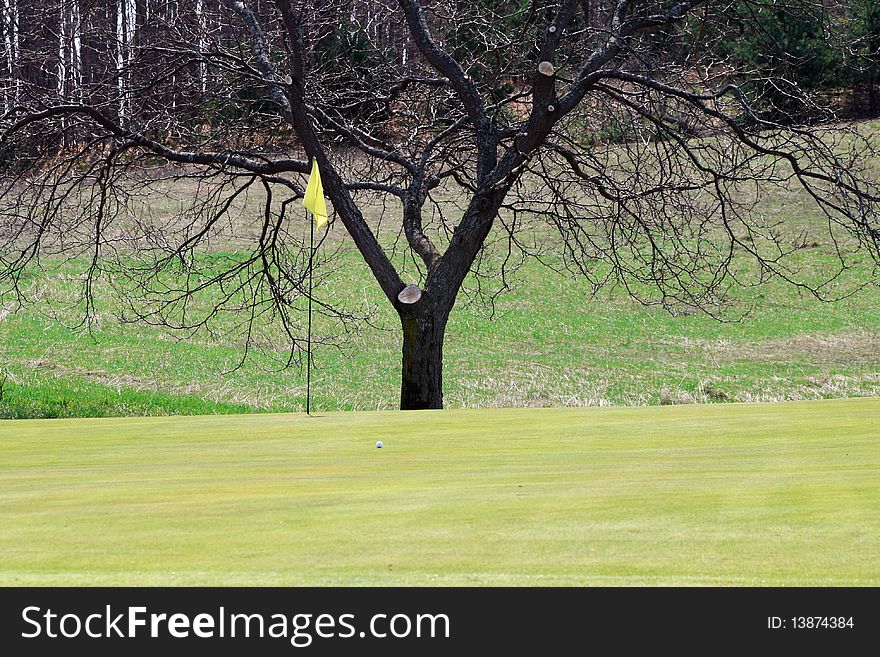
352,218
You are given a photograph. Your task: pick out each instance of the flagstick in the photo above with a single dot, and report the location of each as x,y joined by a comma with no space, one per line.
309,332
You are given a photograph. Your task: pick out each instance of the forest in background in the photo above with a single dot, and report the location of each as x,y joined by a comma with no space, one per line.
72,49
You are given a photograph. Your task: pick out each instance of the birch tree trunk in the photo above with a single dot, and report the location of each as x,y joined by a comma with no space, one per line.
9,28
202,22
126,21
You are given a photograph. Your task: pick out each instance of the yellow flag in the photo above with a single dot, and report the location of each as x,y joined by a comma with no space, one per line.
314,198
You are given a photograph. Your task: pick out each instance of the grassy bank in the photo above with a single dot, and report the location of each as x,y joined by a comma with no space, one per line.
549,344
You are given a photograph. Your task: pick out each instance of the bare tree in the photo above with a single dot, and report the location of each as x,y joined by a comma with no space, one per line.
606,130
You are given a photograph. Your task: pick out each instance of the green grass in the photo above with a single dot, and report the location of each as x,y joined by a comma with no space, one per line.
29,395
571,351
766,494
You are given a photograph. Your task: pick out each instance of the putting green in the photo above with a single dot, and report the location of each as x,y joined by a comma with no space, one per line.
763,494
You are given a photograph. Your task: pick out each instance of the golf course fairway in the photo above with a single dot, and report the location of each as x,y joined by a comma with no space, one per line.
721,494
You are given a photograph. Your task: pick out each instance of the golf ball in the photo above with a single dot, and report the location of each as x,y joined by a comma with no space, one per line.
379,444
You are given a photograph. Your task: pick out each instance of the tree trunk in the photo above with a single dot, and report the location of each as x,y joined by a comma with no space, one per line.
873,104
422,379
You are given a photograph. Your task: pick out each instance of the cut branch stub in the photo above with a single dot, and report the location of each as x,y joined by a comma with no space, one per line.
546,68
410,294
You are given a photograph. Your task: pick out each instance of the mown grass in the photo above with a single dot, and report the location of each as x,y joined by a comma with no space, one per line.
732,494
